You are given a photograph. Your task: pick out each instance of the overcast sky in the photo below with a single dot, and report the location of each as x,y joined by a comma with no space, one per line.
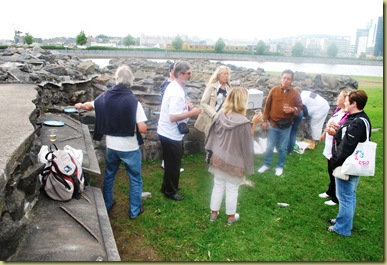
240,19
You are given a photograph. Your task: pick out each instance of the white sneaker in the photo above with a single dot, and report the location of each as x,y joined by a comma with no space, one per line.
279,171
263,169
181,169
323,195
330,203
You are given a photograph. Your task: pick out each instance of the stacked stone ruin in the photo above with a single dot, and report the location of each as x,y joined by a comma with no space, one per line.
62,80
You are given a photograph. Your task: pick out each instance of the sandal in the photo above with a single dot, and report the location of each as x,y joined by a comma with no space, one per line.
231,221
214,217
141,211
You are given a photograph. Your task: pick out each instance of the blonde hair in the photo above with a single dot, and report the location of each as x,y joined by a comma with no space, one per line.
215,76
346,91
236,101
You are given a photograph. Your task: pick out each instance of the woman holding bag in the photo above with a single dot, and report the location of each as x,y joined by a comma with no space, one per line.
347,137
339,116
213,97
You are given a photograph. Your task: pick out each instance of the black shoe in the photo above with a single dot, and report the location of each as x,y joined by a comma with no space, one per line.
176,197
141,211
332,221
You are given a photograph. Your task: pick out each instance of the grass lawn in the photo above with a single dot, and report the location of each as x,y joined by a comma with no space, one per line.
181,231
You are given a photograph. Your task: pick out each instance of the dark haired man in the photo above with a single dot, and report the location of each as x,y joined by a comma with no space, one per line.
282,104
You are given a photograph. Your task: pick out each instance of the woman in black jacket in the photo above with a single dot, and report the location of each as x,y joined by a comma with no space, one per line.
347,137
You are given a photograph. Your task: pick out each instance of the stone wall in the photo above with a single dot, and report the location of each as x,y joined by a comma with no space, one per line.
64,80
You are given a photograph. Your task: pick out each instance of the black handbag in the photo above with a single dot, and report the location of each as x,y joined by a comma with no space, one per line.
183,127
285,123
208,156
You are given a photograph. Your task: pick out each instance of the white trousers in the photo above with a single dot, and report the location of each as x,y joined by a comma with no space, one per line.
224,182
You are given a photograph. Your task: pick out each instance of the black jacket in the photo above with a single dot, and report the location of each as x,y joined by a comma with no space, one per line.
347,137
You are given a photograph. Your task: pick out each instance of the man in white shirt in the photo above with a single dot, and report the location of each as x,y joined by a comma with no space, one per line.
174,109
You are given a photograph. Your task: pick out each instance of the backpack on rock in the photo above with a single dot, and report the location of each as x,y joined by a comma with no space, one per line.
63,178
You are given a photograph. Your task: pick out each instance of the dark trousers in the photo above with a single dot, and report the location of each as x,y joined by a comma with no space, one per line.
332,185
172,154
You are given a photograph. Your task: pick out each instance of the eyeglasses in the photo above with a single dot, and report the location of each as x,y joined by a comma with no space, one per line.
188,73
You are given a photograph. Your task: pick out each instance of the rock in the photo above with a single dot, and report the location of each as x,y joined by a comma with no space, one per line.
64,80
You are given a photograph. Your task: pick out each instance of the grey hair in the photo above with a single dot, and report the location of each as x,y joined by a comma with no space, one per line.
124,76
181,67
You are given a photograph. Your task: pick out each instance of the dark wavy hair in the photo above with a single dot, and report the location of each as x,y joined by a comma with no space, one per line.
358,96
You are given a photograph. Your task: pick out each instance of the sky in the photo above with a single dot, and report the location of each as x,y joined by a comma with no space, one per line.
207,19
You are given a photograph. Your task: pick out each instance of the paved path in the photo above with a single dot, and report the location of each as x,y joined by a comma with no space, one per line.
16,107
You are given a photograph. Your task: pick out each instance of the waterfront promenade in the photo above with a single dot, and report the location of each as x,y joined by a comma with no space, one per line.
108,54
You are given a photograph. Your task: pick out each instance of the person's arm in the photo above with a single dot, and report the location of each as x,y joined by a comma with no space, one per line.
84,106
266,111
142,127
177,106
255,121
141,119
205,101
182,116
322,137
297,106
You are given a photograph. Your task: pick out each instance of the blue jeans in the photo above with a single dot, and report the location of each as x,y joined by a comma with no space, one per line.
277,137
293,131
132,162
346,193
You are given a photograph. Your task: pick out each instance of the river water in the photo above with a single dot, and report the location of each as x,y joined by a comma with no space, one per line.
337,69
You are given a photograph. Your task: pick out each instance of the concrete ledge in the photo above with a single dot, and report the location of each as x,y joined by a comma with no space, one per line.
54,235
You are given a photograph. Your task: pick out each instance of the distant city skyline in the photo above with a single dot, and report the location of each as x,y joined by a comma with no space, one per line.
244,19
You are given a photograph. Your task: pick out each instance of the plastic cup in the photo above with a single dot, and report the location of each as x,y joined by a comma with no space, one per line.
52,133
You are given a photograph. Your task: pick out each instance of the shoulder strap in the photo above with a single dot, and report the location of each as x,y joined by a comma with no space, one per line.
367,127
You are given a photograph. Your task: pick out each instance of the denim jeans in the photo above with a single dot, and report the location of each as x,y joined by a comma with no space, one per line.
293,131
346,193
132,162
277,137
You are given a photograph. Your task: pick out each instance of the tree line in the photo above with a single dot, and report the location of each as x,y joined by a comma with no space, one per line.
177,44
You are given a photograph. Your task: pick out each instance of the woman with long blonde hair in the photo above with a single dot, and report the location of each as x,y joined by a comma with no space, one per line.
230,140
213,97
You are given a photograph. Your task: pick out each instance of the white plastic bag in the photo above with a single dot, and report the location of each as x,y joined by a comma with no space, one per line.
42,154
76,153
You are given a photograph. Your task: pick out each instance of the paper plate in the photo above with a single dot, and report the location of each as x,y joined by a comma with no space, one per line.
70,110
54,123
